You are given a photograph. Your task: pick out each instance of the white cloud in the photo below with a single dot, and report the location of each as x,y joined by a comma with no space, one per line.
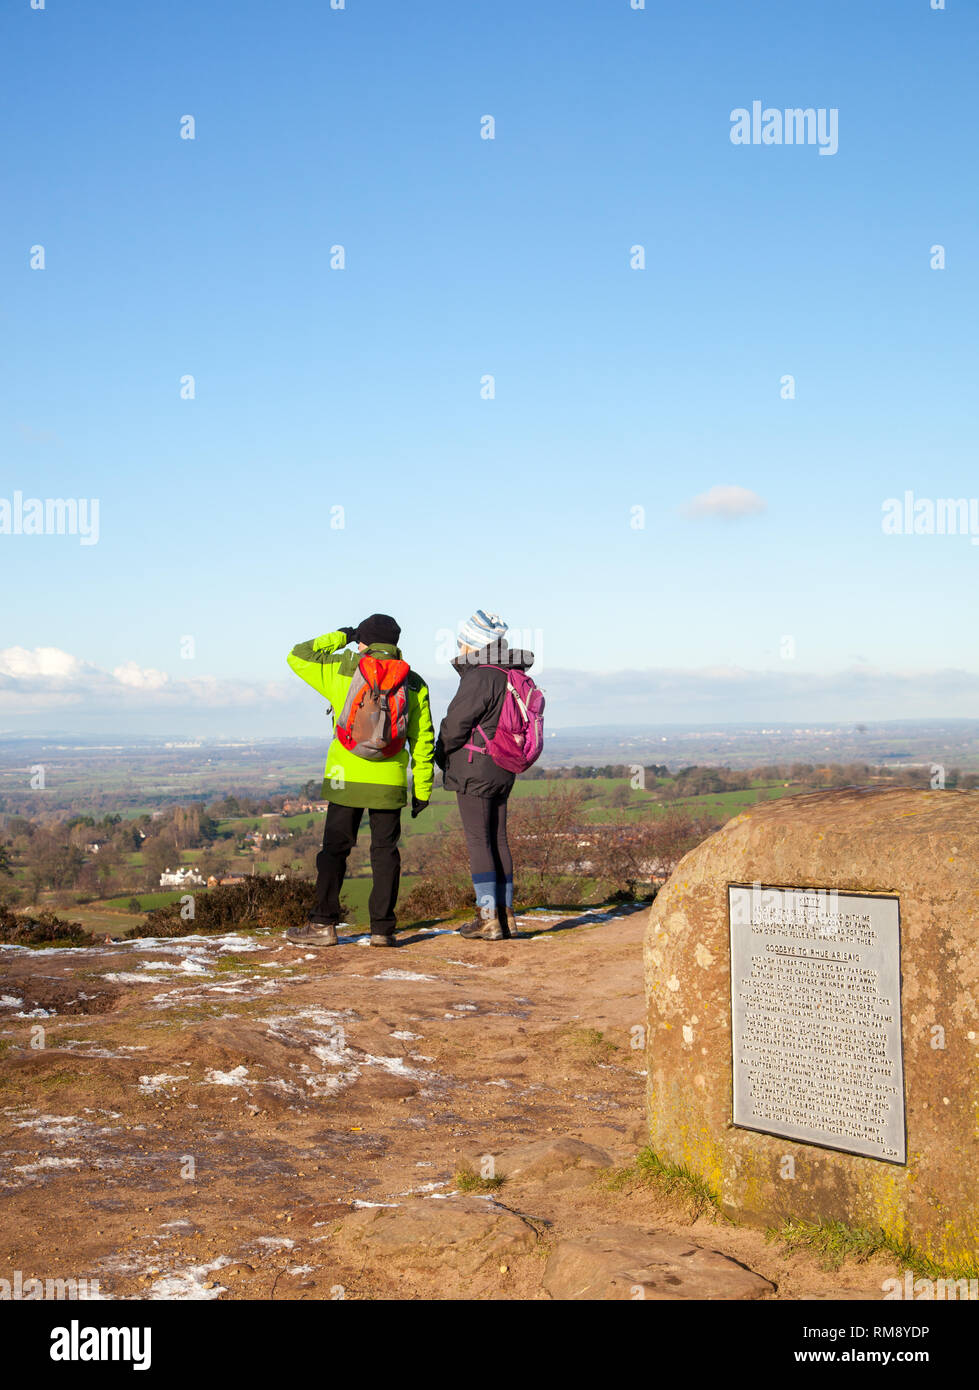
47,678
48,688
22,664
726,500
140,677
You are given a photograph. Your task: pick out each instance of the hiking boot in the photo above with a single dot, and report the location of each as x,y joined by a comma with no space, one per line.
485,926
313,934
508,922
382,939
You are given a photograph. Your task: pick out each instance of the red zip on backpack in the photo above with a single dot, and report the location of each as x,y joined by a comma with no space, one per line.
373,723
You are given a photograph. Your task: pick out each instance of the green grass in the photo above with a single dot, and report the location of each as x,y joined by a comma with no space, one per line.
356,892
674,1180
468,1180
229,964
835,1242
589,1045
55,1080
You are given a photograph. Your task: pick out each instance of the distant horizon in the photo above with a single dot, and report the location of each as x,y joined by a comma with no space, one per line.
49,684
857,726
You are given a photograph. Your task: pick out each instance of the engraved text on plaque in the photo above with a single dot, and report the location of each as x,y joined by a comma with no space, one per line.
816,1017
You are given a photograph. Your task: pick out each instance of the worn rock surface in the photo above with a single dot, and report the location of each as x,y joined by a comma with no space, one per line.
460,1233
922,846
628,1262
543,1157
209,1136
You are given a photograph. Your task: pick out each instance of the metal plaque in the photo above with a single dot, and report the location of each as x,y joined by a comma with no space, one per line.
816,1017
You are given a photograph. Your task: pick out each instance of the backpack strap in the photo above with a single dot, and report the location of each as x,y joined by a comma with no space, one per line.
471,747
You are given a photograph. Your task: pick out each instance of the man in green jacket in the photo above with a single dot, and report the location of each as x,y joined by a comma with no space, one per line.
368,689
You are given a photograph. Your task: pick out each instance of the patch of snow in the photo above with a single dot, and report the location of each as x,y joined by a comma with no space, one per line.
149,1084
231,943
404,1036
47,1163
57,1127
394,1065
358,1203
89,1046
189,1283
277,1242
226,1078
405,975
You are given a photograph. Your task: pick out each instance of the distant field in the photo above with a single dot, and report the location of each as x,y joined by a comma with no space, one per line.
147,901
238,825
356,891
99,921
603,804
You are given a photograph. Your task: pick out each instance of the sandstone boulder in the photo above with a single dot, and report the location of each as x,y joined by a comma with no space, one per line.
628,1262
919,846
541,1158
458,1233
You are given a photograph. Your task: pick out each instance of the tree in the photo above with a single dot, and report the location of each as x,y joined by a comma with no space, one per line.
627,856
159,853
545,835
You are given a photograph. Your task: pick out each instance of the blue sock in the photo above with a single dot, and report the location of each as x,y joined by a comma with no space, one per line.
486,890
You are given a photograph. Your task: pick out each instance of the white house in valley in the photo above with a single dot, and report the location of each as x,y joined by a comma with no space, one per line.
185,877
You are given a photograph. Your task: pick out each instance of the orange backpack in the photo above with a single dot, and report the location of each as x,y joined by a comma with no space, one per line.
373,723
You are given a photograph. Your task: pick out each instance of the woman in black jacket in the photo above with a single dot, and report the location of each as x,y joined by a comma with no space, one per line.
481,787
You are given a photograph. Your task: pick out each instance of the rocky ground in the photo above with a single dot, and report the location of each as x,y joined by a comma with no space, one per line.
235,1118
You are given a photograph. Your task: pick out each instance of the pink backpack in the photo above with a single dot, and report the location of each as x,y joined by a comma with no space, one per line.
519,738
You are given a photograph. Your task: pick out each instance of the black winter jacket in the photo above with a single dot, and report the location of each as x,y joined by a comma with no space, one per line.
479,700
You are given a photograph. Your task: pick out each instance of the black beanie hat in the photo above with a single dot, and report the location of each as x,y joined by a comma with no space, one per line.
379,627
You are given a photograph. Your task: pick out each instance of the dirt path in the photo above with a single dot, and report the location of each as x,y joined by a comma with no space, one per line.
198,1115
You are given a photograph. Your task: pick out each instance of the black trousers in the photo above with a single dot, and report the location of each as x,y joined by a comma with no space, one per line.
339,838
490,862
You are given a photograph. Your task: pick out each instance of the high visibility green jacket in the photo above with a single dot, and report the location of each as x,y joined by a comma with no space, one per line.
349,780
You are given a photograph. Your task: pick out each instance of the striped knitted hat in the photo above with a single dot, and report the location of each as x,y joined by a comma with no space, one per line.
481,629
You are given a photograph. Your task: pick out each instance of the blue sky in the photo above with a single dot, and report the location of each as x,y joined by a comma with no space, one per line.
360,387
